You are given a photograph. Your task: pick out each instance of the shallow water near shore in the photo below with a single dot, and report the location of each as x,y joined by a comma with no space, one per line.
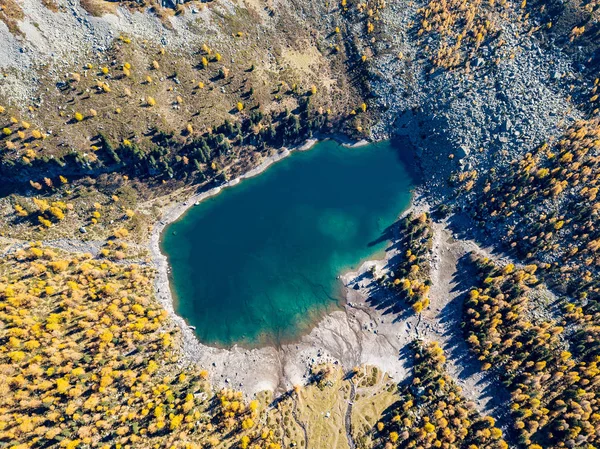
258,264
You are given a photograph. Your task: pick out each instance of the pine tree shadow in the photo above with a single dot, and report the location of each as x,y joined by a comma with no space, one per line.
456,347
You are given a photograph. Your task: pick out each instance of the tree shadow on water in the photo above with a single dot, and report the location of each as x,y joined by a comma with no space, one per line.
379,296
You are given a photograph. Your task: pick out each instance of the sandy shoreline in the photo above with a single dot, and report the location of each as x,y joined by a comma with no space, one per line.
352,336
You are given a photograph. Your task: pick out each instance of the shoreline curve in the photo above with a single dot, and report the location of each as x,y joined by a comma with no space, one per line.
339,336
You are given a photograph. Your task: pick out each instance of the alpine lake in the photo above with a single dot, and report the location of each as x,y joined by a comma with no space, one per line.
259,263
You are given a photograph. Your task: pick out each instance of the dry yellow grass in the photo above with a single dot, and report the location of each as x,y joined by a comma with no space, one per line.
372,399
323,412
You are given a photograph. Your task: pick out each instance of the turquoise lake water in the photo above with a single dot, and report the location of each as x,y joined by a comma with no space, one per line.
258,263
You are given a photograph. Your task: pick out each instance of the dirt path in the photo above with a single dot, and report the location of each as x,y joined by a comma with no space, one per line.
300,423
348,418
74,245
